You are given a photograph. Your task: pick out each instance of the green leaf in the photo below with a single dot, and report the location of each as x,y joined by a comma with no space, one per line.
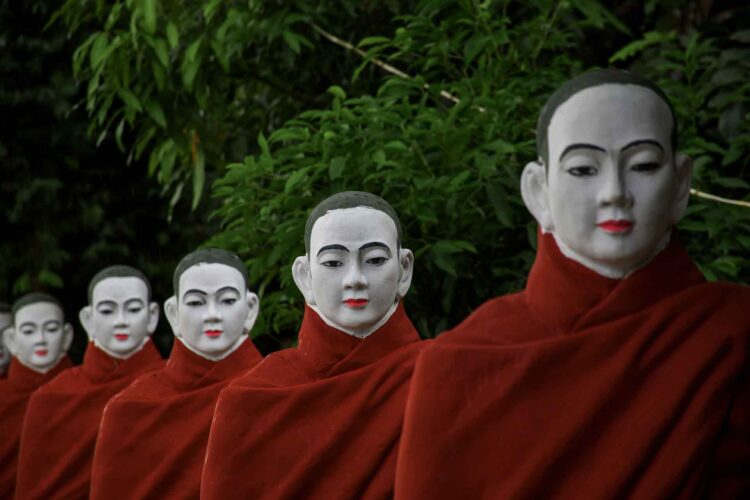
173,36
192,51
98,51
156,113
372,40
337,91
294,179
161,51
638,46
189,72
199,176
336,168
499,201
129,99
292,40
50,278
149,15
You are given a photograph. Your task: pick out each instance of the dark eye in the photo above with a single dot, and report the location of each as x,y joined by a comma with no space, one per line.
194,303
105,312
646,166
582,171
228,301
135,310
332,263
377,260
53,329
27,332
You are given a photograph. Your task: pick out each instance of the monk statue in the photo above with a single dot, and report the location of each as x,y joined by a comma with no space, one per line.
5,322
323,420
62,419
152,438
38,341
618,371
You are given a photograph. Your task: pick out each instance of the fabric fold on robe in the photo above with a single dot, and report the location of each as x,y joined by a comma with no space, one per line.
321,420
15,392
62,421
582,385
153,435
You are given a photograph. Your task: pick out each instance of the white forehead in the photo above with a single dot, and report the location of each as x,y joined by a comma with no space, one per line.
610,116
119,289
353,225
39,312
209,277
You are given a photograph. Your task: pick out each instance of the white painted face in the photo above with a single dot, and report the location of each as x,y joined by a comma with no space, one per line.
40,338
355,273
120,318
5,321
613,189
213,311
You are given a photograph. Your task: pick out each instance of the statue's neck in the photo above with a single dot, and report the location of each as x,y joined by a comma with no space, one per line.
611,271
217,357
360,334
119,355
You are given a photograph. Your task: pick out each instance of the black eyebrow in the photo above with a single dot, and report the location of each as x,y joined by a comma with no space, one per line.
110,303
581,146
228,289
52,321
640,142
332,247
28,323
375,244
135,299
193,290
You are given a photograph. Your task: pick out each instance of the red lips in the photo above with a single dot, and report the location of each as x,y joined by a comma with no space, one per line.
41,352
122,336
356,303
212,333
616,226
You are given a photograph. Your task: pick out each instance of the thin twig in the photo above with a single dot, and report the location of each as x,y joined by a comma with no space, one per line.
713,197
395,71
382,64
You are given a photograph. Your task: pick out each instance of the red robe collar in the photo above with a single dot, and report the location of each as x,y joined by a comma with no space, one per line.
327,351
62,421
25,380
330,410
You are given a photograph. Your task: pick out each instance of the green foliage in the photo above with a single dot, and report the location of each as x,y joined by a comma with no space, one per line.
186,84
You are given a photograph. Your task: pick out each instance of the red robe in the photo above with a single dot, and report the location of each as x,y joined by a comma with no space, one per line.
153,435
586,387
62,420
319,421
15,392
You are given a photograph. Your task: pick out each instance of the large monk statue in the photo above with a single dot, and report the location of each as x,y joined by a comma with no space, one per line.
38,340
62,419
5,322
153,435
323,420
619,371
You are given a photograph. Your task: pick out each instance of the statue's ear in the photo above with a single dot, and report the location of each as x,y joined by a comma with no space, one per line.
67,336
534,193
683,165
303,278
254,304
406,263
153,317
170,311
86,316
9,337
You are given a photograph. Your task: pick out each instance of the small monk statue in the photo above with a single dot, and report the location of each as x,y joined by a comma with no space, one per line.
38,341
323,420
62,419
619,371
153,435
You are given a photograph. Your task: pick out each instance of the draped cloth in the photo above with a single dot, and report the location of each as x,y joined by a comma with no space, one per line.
153,435
62,421
15,392
582,386
322,420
